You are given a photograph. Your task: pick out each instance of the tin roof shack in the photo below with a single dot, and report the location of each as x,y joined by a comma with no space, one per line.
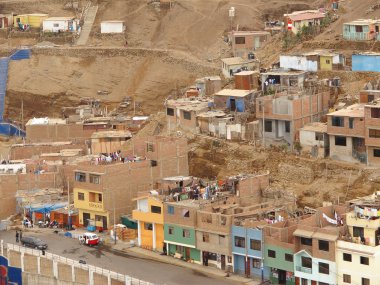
313,61
6,21
233,65
214,123
98,189
368,61
108,141
284,114
247,80
59,25
346,130
358,252
236,100
182,113
299,19
372,132
315,242
245,43
361,30
209,85
282,79
30,20
314,139
112,27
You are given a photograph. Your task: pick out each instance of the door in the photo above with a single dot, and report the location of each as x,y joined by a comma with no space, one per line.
313,282
281,277
223,262
187,253
232,104
86,217
298,281
105,226
248,267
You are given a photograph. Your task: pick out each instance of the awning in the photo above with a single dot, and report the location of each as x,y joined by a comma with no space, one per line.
324,236
303,233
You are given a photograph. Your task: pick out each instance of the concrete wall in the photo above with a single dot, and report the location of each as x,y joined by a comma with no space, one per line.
365,62
298,63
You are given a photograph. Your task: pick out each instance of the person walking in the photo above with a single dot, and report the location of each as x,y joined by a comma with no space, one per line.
17,236
20,235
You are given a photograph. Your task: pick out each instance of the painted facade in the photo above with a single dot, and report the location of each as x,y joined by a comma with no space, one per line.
361,30
32,20
366,62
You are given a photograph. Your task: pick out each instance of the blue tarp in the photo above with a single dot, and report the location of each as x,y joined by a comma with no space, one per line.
46,208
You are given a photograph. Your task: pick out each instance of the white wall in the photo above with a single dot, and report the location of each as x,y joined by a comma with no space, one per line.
111,27
55,26
298,63
12,168
307,138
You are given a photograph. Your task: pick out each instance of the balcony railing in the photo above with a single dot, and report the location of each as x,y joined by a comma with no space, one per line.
304,269
356,36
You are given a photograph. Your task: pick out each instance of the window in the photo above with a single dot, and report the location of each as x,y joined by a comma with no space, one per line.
340,141
365,281
287,127
98,218
347,278
80,176
323,245
95,179
186,233
170,210
374,133
324,268
206,237
100,197
80,196
222,239
149,147
376,152
289,257
351,123
240,40
358,231
256,263
170,111
337,121
370,98
375,113
185,213
240,242
359,29
271,253
186,115
255,244
55,25
155,209
306,241
229,259
364,260
171,231
306,262
268,126
328,61
347,257
148,226
319,136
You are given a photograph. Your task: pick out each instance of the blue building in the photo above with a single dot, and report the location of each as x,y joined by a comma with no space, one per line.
366,62
247,246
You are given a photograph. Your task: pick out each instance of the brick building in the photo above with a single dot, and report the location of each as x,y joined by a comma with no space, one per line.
372,132
104,191
346,130
245,43
281,116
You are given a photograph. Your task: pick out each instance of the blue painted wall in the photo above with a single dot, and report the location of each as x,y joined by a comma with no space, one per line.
239,103
362,62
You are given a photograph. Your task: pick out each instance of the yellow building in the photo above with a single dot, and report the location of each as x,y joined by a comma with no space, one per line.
150,222
90,206
358,252
326,62
33,20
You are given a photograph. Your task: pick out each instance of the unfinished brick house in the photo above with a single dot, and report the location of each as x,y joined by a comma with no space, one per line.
245,43
346,130
98,189
108,141
282,79
281,116
372,132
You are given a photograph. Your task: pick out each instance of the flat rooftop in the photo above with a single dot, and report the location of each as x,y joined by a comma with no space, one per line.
188,104
59,19
249,33
236,60
354,111
284,72
46,121
111,134
214,114
233,92
362,22
315,127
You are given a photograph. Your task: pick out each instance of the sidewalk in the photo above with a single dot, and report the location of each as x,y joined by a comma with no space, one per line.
143,253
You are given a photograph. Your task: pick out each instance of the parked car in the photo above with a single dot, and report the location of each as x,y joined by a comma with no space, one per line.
33,242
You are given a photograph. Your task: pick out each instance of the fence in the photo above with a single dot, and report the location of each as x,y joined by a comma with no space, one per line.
57,259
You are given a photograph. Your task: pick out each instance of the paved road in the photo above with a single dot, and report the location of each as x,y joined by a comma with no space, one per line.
148,270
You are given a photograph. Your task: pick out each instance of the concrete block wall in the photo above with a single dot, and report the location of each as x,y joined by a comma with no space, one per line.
35,150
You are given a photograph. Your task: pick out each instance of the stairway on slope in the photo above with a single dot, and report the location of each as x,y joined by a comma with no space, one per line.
87,26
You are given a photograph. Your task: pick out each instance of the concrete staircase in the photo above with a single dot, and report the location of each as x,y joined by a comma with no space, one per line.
87,25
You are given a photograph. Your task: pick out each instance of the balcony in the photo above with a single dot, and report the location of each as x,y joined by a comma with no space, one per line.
148,217
304,269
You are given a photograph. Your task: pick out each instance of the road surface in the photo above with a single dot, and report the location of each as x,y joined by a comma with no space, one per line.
142,268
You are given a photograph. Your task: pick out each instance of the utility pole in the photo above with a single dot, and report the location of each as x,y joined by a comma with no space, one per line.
69,208
263,106
114,216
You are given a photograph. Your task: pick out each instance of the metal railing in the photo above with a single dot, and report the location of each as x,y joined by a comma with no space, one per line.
304,269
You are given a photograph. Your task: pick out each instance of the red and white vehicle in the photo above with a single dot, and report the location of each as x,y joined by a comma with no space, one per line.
89,239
